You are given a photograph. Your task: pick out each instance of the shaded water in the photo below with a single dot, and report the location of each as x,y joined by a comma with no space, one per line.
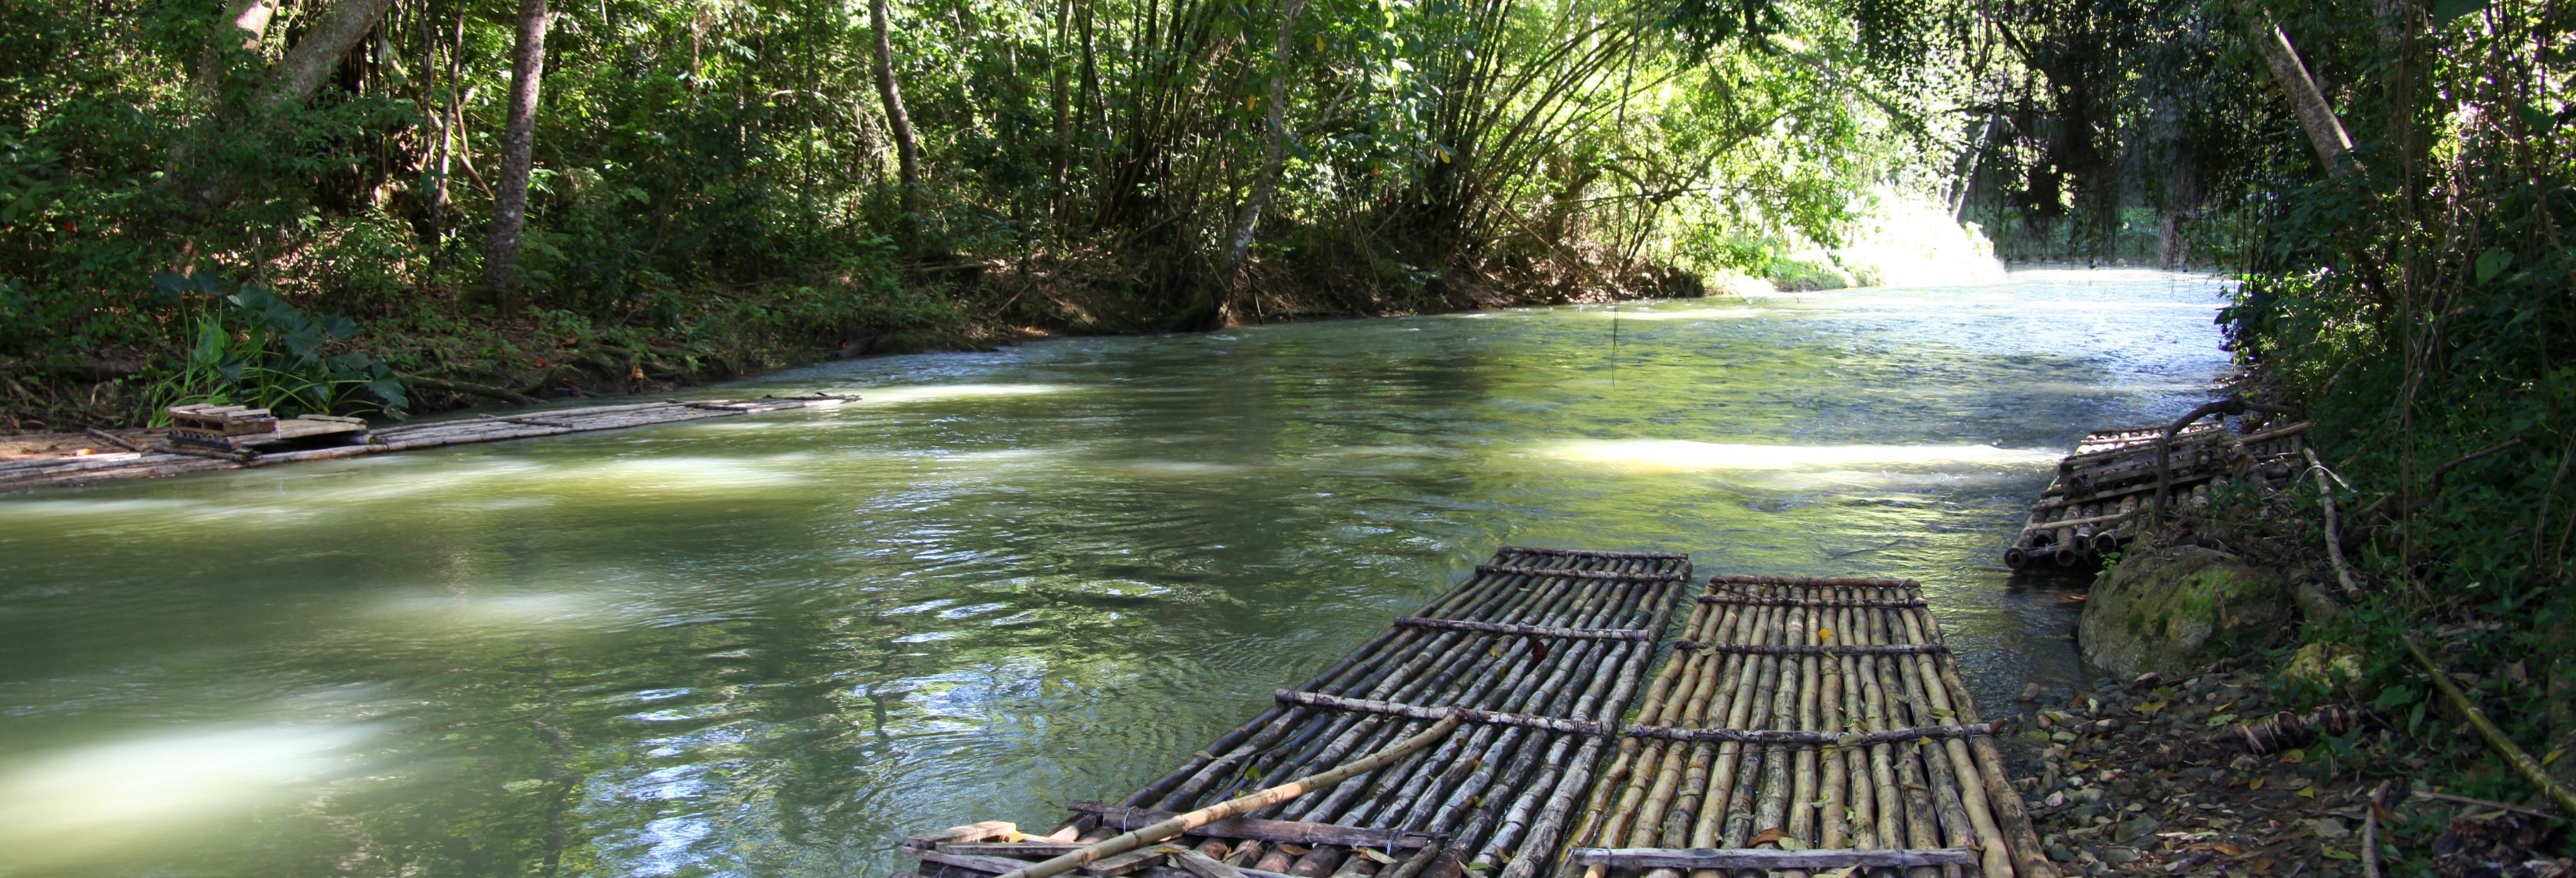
770,645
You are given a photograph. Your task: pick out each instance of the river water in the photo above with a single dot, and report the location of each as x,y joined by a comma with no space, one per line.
771,645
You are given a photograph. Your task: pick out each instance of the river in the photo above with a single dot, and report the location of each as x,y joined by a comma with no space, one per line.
771,645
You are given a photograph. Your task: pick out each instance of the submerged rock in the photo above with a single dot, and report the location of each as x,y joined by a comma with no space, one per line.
2178,608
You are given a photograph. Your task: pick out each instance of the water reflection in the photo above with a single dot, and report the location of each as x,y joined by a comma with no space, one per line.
773,645
76,805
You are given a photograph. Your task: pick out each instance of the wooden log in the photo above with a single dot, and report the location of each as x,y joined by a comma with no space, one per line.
972,832
1004,848
2252,439
1516,570
1530,630
1204,816
2079,522
1204,866
991,865
1136,860
1764,858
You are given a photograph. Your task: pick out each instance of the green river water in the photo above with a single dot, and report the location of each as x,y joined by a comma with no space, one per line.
771,645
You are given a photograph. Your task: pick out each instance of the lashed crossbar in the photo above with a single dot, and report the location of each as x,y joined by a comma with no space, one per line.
1486,717
1819,581
1767,858
1617,575
1797,649
1588,553
1529,630
1806,602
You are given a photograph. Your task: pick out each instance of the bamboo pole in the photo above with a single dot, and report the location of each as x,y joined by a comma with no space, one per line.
1139,838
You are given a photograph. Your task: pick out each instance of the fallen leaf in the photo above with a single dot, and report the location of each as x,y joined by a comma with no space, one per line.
2336,853
2254,784
1766,836
2228,849
2307,792
2261,864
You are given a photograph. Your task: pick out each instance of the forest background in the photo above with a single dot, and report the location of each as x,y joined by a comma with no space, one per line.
378,206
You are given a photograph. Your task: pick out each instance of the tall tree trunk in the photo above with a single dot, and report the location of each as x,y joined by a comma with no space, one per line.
245,19
1274,160
2325,132
907,150
518,161
310,63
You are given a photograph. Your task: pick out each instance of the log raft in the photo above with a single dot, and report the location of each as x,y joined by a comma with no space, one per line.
1803,725
2103,493
230,437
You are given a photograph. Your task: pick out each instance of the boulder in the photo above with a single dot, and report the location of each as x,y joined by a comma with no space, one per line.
2177,609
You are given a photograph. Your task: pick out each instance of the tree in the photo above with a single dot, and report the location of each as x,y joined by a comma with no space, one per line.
907,150
518,160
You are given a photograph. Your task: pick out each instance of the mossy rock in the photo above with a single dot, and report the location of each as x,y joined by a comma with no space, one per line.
2174,610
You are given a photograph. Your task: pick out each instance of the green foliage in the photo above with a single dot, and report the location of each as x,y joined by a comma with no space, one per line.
255,349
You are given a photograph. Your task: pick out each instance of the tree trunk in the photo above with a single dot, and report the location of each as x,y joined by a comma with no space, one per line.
333,34
2325,132
250,19
907,150
1275,159
518,161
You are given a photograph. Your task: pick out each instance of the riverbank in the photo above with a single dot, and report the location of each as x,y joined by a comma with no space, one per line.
2157,777
451,352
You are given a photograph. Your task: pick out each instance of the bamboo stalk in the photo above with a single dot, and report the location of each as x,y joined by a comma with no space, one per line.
1530,630
1138,838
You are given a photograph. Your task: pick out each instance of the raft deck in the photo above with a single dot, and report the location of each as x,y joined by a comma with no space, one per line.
80,459
1788,719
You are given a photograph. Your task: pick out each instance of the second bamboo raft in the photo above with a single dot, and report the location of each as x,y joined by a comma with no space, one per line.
1876,757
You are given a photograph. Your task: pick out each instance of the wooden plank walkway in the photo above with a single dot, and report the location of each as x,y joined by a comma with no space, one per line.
2102,493
1805,725
97,463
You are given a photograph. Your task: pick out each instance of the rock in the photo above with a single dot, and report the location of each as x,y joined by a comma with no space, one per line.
2175,609
2063,737
2056,799
2136,828
2330,828
2119,856
2326,665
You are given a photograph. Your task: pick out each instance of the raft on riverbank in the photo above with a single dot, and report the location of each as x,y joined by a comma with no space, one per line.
2106,490
1782,730
65,459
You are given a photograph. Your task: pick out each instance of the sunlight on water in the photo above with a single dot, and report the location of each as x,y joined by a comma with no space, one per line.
1677,455
63,807
504,613
1681,314
898,395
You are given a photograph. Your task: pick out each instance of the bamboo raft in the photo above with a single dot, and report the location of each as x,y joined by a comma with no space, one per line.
1490,725
1822,725
2106,490
98,456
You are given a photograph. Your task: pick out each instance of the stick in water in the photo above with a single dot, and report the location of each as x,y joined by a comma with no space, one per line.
1232,808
